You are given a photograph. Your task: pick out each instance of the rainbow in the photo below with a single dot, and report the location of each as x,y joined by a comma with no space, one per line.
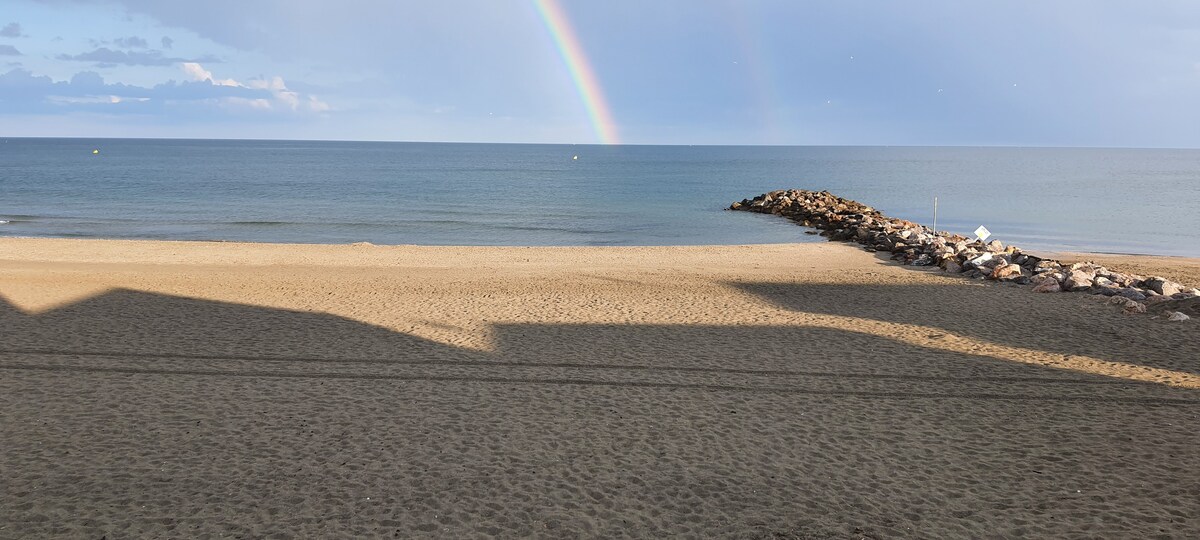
581,70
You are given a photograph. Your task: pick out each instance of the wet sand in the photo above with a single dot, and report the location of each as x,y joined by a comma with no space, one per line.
172,389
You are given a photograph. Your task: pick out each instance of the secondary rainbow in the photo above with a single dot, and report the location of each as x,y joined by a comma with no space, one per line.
581,70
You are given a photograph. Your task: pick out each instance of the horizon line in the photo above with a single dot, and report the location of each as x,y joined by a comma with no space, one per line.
597,144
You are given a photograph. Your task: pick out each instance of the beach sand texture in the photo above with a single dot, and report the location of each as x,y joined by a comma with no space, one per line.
170,389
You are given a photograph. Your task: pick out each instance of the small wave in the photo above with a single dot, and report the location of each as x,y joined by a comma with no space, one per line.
551,229
75,235
265,223
16,218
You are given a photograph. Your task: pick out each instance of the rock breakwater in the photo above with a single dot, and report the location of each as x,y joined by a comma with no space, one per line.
914,244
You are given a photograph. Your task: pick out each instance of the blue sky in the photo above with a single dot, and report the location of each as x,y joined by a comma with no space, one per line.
1063,73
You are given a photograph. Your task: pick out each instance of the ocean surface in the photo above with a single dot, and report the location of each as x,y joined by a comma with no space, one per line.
1112,200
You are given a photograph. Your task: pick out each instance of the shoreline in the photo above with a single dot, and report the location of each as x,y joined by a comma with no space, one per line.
1044,252
1183,269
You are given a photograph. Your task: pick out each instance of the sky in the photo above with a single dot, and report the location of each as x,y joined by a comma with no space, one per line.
791,72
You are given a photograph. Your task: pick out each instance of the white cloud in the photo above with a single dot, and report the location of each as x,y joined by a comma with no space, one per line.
281,97
198,73
316,105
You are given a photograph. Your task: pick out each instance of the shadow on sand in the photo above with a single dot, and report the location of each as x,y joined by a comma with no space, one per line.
126,331
1002,316
142,414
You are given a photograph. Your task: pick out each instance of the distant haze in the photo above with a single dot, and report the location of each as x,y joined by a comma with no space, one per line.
1036,73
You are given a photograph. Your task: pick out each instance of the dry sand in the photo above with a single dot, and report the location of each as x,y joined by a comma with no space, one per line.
165,389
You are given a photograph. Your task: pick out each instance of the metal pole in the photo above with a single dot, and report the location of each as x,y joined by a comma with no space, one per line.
935,215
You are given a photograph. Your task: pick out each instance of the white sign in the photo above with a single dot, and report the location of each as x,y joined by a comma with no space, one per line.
982,233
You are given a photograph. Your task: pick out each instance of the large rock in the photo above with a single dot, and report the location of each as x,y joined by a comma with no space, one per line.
1047,286
1163,286
1132,307
1078,280
1056,276
1132,294
1006,271
979,261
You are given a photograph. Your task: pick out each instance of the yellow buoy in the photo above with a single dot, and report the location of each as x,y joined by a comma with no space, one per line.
95,151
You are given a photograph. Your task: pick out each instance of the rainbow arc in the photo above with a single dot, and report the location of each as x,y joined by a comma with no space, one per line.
582,74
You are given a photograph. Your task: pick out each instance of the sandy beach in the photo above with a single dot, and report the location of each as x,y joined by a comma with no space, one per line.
189,389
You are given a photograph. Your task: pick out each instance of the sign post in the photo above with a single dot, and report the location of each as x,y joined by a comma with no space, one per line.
982,233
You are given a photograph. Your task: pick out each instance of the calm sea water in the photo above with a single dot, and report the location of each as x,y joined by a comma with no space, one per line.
1131,201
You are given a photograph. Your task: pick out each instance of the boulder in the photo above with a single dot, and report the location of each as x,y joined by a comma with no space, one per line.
995,246
1163,286
1177,316
1132,307
1039,279
952,267
1152,300
1132,294
1006,271
1117,278
1047,286
1078,281
980,260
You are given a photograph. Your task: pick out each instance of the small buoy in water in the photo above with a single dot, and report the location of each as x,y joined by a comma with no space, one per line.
575,158
95,151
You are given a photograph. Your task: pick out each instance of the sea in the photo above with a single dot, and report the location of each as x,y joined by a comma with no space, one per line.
1144,201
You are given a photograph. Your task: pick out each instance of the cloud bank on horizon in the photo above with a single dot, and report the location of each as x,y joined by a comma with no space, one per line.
938,72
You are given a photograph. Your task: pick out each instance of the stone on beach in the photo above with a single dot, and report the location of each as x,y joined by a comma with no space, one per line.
1163,286
1048,286
1006,271
1078,281
1132,307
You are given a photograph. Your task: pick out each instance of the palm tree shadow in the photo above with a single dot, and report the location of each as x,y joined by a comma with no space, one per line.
998,315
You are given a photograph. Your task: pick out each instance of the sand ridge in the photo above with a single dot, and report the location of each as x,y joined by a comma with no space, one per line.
810,390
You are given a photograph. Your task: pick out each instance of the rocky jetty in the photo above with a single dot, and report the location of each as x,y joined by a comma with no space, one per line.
911,243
